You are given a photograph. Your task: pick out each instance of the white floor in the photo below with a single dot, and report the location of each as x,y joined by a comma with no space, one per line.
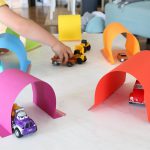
115,125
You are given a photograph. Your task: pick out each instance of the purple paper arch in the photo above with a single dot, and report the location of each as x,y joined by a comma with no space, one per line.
12,82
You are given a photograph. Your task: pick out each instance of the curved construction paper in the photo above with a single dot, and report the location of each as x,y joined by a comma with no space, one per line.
137,66
12,82
29,44
12,43
10,31
110,33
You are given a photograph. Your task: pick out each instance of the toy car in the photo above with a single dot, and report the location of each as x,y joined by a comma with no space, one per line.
137,95
22,124
77,58
3,51
56,60
122,57
70,63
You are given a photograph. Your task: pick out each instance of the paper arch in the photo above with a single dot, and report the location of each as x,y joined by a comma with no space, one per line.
28,44
12,43
137,66
69,27
110,33
13,81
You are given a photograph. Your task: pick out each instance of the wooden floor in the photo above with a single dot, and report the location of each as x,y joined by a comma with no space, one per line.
40,15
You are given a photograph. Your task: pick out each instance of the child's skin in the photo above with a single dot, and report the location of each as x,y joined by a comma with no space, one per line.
31,30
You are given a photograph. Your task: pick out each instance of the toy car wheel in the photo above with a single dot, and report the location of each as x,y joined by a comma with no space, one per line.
55,63
18,133
84,41
88,48
85,49
85,59
79,61
69,64
131,103
76,52
13,131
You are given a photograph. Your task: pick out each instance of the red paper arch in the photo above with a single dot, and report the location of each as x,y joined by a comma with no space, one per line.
137,66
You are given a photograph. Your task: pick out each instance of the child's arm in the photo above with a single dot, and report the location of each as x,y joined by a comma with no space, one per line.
31,30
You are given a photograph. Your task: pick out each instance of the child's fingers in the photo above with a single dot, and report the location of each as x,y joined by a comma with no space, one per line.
61,58
70,53
65,58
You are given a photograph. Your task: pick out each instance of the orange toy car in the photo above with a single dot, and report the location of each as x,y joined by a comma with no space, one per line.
71,61
78,57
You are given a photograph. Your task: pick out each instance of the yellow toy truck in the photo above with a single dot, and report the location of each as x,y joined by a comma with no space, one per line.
86,45
79,54
78,57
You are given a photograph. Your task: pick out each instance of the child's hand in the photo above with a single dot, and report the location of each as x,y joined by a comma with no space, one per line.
64,52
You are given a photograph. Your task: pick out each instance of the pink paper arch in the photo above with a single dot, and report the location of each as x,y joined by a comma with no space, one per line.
137,66
12,82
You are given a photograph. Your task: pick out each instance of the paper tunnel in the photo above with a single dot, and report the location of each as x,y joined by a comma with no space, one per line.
43,96
110,33
13,43
137,66
69,27
29,44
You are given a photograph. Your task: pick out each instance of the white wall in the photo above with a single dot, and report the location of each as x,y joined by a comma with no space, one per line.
45,3
17,3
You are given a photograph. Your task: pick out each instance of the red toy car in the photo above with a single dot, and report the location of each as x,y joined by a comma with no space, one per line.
77,58
70,63
3,51
137,96
122,57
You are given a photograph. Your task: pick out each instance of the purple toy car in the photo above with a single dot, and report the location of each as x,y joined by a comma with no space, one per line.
22,124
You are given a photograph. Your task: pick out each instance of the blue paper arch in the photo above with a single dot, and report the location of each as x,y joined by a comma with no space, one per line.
14,44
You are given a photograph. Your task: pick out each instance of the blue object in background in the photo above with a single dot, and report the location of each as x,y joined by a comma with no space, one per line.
14,44
134,16
95,25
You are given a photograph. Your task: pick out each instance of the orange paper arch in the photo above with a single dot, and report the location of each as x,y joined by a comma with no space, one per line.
110,33
137,66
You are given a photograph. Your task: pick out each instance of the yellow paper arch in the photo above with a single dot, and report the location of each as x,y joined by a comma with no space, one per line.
110,33
69,27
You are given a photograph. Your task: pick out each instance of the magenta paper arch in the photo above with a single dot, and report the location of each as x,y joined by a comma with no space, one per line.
12,82
138,66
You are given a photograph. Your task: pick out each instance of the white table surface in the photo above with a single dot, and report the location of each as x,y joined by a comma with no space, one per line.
115,125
